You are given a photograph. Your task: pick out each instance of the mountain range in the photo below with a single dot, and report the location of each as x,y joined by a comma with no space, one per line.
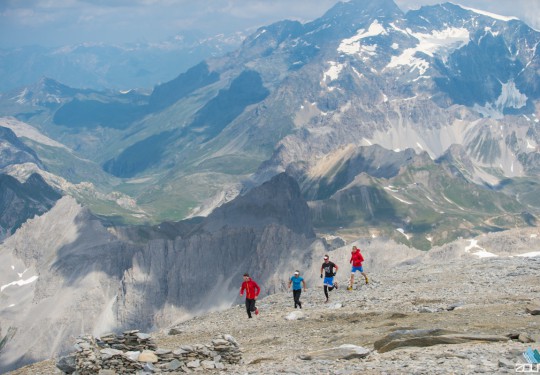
102,66
420,128
454,88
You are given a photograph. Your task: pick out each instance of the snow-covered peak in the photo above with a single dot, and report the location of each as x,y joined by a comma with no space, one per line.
489,14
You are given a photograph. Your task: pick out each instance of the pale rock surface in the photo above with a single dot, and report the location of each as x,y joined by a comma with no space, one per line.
493,295
458,290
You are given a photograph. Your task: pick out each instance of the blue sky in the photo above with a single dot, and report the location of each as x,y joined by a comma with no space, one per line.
61,22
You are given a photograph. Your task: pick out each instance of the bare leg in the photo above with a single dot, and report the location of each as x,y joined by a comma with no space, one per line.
365,277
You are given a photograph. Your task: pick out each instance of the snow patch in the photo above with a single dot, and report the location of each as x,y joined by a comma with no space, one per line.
489,30
333,72
399,199
489,14
472,245
21,274
400,230
367,141
530,255
352,45
260,33
437,43
484,254
19,283
454,203
360,75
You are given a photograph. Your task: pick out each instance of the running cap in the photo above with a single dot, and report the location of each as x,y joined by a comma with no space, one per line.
297,272
326,257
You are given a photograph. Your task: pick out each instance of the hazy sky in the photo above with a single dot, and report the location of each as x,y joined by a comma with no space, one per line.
60,22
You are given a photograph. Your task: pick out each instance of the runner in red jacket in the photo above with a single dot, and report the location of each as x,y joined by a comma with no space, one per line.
356,260
252,291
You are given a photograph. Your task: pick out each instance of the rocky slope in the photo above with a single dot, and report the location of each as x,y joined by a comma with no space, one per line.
65,272
469,305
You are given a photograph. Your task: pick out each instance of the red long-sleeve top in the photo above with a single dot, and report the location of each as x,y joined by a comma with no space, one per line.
356,258
251,288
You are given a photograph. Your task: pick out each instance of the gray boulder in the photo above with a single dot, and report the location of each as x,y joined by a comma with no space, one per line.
67,364
346,351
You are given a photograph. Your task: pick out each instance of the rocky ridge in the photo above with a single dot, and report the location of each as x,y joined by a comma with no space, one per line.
465,309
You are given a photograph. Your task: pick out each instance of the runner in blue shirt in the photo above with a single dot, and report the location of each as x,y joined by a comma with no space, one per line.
297,281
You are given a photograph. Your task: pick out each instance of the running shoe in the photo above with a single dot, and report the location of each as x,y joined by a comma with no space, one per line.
349,287
367,281
335,285
256,311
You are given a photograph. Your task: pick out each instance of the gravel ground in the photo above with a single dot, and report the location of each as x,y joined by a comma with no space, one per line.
484,296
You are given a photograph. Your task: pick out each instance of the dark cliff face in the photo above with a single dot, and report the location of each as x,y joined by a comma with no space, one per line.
277,201
22,201
201,268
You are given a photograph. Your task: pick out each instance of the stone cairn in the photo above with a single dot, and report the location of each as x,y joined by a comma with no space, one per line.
134,352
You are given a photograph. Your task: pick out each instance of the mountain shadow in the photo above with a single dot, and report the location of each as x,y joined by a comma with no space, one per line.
170,92
245,90
22,201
